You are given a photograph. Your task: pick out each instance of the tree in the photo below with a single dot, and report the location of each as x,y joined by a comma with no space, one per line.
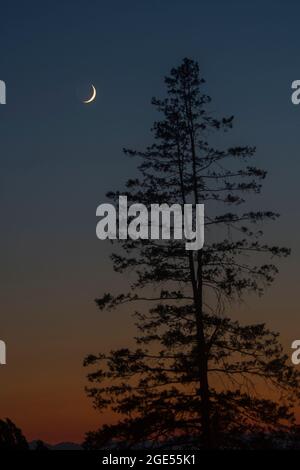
193,377
11,437
41,446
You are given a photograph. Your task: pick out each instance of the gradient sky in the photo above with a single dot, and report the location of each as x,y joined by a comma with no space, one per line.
58,158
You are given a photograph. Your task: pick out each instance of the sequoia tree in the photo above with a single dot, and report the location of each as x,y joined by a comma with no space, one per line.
198,377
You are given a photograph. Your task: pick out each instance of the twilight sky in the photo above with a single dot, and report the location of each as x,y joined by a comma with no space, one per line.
58,158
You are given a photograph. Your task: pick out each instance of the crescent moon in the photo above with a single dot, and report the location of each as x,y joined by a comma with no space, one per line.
92,97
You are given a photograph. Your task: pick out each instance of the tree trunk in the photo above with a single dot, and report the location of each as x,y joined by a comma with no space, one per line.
201,350
198,302
203,367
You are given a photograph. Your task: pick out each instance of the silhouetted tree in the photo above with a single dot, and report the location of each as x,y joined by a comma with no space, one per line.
40,446
11,437
194,377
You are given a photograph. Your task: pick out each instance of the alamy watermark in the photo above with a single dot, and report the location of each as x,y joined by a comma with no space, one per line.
296,354
2,92
161,222
2,353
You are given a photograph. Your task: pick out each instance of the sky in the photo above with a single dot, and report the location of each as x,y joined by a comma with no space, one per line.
59,157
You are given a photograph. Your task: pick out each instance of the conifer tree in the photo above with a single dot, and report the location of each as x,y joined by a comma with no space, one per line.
198,376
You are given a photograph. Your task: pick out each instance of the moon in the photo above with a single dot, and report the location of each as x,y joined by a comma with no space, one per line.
92,98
